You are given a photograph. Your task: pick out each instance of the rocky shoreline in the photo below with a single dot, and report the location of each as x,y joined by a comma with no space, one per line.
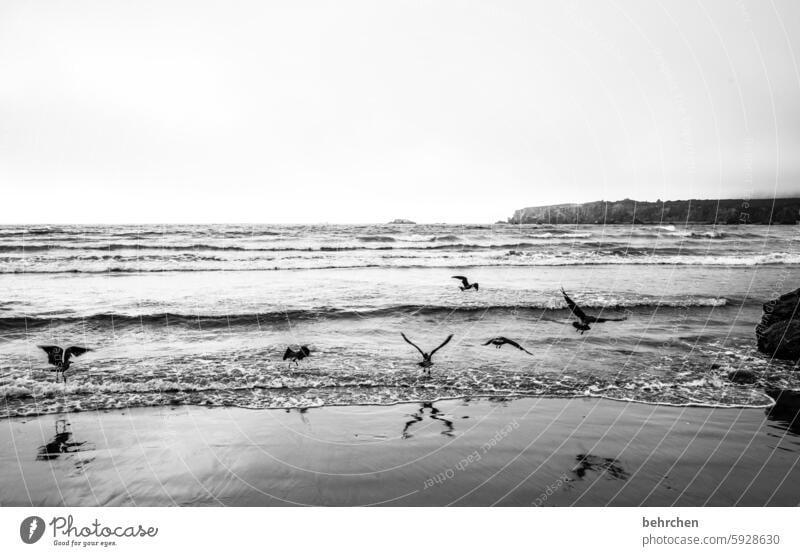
778,336
778,333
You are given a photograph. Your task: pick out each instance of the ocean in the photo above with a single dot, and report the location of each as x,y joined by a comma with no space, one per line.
202,314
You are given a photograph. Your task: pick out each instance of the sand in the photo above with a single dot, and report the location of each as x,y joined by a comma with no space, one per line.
479,452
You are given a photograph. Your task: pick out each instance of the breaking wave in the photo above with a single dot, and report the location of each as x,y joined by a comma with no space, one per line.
247,319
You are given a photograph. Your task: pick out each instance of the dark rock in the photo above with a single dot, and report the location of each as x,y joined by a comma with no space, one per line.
784,397
782,340
778,333
742,376
783,308
786,408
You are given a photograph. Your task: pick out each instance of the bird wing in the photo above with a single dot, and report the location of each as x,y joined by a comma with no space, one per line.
413,344
463,280
490,341
513,343
476,286
305,351
55,354
518,346
442,344
77,351
604,319
577,311
288,353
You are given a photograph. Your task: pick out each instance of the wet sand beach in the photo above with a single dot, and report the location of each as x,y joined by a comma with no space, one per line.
519,452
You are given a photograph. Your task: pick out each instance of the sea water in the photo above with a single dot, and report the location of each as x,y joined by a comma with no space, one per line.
203,314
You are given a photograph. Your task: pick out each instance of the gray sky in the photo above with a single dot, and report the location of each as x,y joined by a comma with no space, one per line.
364,111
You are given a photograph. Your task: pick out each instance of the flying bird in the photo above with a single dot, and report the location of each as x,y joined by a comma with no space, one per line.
59,357
426,362
585,320
296,355
466,283
502,340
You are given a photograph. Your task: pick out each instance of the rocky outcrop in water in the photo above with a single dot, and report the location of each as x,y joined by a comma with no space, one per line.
778,333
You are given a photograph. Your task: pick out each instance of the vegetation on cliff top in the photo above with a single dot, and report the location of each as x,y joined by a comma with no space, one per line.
694,211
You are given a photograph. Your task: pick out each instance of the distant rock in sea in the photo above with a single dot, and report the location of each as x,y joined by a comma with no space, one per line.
778,333
401,221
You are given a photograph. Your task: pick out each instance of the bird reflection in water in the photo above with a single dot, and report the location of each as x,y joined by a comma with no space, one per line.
433,414
608,466
302,411
60,444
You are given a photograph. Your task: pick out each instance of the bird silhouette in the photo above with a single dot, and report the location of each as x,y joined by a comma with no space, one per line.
502,340
466,283
296,355
585,320
426,362
60,358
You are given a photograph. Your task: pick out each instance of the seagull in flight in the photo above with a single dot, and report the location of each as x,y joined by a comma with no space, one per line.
59,357
502,340
467,285
585,320
296,355
426,362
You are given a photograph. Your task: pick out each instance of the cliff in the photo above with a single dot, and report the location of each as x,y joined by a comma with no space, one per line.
694,211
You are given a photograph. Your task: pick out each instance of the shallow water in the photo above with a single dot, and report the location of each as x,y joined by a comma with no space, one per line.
203,314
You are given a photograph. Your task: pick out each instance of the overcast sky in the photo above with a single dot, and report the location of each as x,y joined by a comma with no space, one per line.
365,111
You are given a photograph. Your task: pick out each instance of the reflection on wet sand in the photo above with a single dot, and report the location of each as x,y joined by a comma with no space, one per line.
608,466
434,414
62,444
302,411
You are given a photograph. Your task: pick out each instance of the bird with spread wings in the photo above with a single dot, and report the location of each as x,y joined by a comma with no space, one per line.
585,320
500,341
426,362
296,355
466,285
60,358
